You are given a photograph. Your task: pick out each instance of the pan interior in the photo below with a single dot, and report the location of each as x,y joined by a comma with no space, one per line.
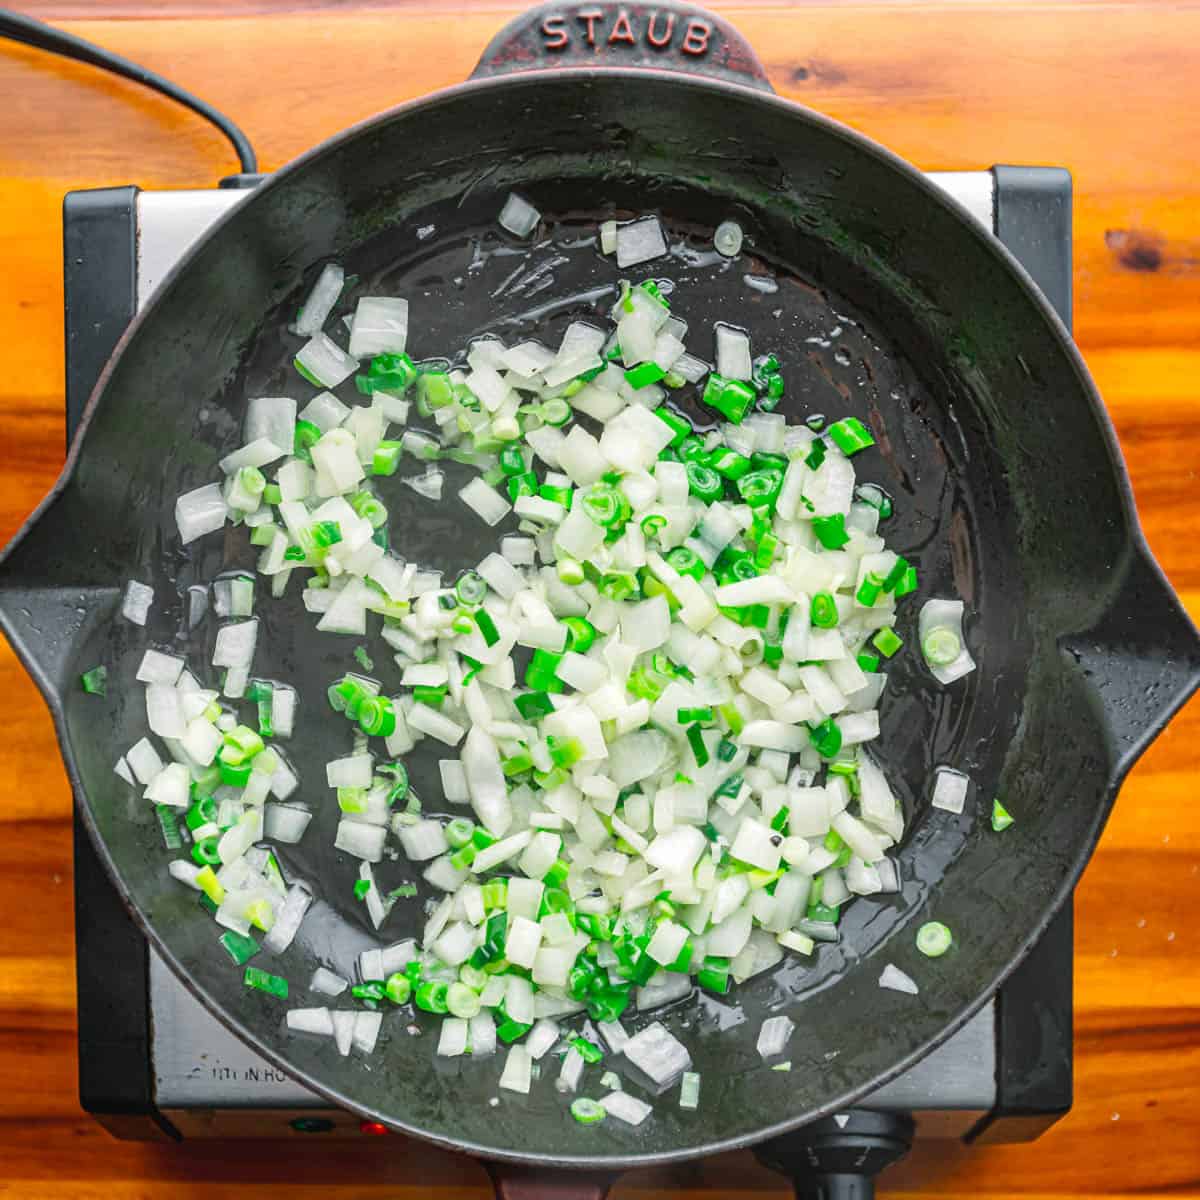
851,273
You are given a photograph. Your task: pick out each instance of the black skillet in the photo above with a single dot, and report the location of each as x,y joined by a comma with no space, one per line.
889,304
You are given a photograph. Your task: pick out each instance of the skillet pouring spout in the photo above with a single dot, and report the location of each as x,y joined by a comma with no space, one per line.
1141,658
58,587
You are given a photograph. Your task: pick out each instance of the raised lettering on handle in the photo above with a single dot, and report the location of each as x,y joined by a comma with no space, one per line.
665,36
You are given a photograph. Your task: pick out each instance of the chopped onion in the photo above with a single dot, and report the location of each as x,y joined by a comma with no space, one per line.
197,513
895,980
517,1073
485,501
733,352
321,300
774,1036
343,1031
518,216
658,1054
380,327
626,1108
288,918
310,1020
325,361
939,627
949,789
640,241
325,983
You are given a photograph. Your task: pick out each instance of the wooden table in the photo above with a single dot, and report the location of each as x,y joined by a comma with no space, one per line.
1106,89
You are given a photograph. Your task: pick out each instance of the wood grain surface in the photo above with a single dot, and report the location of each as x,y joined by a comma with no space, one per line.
1107,89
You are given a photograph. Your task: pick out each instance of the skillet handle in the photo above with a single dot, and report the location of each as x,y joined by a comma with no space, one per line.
517,1181
663,36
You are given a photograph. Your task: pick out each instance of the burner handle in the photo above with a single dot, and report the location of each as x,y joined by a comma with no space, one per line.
838,1158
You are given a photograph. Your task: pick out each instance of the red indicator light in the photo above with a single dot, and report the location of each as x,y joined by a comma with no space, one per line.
372,1128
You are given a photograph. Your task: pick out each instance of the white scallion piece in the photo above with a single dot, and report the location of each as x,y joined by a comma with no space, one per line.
727,239
689,1090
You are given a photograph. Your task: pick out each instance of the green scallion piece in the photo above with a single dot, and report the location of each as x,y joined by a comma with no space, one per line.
760,489
606,506
397,772
587,1112
588,1051
831,531
686,561
307,435
695,737
908,583
823,613
240,948
428,694
264,981
487,627
887,642
869,590
386,459
1001,817
556,412
398,988
432,996
459,831
581,633
564,751
205,853
533,705
941,647
826,737
713,976
95,681
934,939
643,374
850,435
704,483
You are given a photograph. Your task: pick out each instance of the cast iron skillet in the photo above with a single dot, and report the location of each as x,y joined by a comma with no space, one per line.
890,304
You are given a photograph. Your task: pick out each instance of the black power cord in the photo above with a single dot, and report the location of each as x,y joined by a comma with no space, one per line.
19,28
